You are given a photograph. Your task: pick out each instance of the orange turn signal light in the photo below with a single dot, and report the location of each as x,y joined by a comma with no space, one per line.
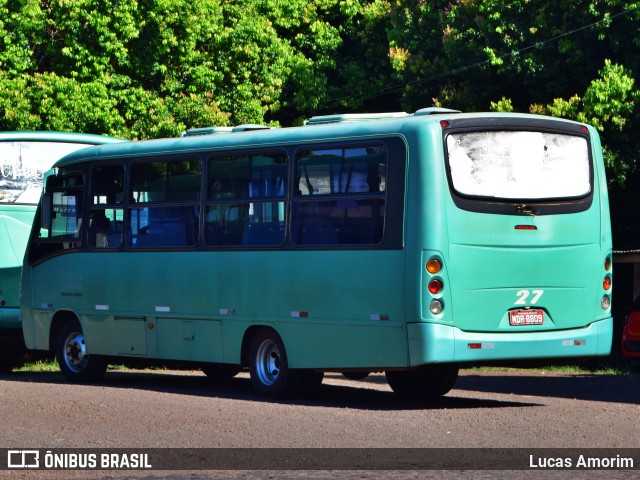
433,266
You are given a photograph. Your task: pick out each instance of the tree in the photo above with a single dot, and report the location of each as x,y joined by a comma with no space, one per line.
609,104
149,68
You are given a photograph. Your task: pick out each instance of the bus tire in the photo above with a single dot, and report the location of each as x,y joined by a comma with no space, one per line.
74,360
269,368
427,381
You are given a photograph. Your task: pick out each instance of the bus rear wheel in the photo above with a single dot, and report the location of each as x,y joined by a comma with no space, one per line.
269,368
73,357
428,381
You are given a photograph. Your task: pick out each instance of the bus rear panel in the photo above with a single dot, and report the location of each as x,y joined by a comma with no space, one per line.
526,252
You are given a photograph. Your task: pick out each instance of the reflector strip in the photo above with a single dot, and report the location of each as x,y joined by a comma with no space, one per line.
379,316
227,311
297,314
102,307
526,227
162,309
476,346
574,343
46,305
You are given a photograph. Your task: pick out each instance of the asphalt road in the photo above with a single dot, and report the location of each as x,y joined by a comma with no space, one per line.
165,409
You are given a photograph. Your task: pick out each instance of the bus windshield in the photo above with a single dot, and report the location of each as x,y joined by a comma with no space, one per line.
519,164
23,165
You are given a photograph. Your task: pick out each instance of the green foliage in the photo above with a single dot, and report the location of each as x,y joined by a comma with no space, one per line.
502,105
608,104
149,68
153,68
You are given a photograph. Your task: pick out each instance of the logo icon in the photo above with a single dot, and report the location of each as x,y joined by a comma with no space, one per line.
23,459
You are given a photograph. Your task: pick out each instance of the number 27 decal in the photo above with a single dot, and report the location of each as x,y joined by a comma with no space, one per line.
523,297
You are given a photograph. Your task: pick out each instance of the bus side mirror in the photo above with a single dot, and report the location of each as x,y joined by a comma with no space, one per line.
45,211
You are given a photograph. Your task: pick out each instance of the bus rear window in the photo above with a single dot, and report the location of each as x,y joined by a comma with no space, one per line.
514,165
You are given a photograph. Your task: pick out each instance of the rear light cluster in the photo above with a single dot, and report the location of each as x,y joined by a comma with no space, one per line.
435,285
606,284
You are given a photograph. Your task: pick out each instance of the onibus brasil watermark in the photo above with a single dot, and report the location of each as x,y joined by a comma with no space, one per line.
35,459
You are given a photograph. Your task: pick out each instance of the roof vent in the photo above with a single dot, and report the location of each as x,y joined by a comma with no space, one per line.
249,127
435,111
353,117
218,130
206,131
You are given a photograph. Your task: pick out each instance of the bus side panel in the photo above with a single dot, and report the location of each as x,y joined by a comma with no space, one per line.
327,344
189,339
181,305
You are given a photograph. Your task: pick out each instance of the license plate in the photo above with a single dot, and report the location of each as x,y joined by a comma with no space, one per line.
526,317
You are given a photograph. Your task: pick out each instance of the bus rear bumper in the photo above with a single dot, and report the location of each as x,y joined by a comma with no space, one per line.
434,343
10,318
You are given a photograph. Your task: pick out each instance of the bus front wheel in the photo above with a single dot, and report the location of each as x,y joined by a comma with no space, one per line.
269,367
73,357
426,381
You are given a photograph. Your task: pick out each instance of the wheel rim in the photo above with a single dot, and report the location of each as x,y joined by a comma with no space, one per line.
268,362
75,352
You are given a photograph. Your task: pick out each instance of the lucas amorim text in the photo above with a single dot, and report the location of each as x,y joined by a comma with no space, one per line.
581,461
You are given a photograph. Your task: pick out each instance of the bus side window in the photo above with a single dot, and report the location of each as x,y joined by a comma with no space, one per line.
164,201
340,197
246,200
59,224
107,198
106,228
166,227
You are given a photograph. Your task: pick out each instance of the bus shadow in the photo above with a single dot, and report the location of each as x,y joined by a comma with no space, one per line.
372,393
361,395
590,387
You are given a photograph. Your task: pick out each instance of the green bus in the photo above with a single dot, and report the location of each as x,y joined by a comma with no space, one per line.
401,243
24,158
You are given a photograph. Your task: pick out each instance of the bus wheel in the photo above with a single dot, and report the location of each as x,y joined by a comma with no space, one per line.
220,373
427,381
269,368
71,352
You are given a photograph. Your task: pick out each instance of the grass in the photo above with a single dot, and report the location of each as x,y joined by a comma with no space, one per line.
39,366
560,369
51,365
595,369
620,368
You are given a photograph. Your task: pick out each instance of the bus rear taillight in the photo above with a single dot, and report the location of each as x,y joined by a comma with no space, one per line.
605,302
435,286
